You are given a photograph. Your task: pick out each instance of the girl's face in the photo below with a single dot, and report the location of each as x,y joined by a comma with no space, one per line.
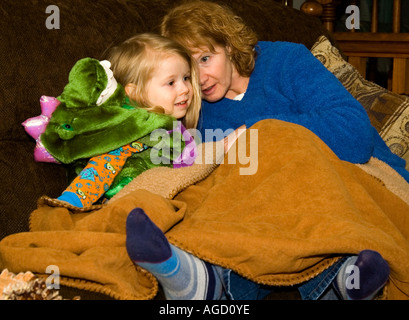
170,86
218,76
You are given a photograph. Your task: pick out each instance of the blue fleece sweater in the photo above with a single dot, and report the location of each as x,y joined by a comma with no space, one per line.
290,84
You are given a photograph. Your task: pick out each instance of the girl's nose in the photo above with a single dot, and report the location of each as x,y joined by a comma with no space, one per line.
185,89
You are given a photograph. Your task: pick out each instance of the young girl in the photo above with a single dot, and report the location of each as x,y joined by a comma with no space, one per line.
158,74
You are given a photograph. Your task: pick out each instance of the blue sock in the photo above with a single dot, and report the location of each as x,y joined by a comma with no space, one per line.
181,275
362,277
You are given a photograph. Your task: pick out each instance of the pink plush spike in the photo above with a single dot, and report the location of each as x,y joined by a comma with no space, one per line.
35,126
42,155
48,105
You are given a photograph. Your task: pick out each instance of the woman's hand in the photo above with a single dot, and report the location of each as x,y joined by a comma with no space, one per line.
232,137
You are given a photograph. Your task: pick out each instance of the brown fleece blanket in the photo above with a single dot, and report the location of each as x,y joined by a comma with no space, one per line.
302,210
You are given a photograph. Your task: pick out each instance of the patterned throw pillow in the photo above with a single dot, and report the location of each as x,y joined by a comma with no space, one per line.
388,111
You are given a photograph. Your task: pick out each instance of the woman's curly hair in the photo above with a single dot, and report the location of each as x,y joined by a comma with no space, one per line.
205,24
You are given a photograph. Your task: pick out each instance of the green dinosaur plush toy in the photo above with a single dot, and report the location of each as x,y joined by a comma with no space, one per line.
95,117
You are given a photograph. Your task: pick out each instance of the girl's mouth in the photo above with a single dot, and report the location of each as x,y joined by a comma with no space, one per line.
181,104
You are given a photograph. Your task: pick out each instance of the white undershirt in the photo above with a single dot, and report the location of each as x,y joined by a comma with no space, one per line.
239,97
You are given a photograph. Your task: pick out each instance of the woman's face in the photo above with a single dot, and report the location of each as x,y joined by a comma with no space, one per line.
216,73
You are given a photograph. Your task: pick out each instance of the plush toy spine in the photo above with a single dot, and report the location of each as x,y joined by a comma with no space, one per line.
35,126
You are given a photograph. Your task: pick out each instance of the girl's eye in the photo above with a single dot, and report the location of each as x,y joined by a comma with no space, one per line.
186,78
171,83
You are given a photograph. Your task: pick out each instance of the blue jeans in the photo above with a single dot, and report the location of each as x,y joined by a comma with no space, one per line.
239,288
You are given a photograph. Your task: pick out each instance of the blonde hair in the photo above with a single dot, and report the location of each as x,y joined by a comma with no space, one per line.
134,61
206,24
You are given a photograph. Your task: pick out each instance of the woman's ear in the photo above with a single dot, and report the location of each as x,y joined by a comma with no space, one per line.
130,90
228,51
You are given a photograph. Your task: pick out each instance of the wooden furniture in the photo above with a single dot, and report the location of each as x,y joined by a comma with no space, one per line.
359,46
286,2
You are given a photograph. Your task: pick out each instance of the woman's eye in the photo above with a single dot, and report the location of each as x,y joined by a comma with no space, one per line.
204,59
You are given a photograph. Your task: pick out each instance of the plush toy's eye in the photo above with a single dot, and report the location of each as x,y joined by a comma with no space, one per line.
66,126
66,131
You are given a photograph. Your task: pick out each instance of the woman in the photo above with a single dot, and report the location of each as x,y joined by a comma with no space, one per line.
244,81
273,80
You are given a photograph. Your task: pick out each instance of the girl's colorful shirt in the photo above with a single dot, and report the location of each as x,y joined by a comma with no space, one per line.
98,175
